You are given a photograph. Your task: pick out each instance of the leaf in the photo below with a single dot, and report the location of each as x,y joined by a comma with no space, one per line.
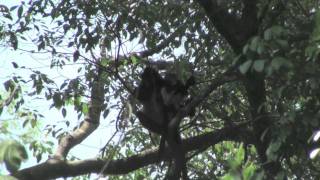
267,35
12,153
64,112
3,177
254,43
33,123
20,10
57,101
248,172
277,30
227,177
315,36
70,44
13,8
260,48
106,113
258,65
63,85
314,153
134,59
15,65
25,123
239,156
14,41
278,62
245,66
283,43
9,85
41,45
272,150
76,55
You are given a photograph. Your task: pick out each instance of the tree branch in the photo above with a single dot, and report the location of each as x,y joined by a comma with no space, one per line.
90,123
58,168
234,29
161,45
177,149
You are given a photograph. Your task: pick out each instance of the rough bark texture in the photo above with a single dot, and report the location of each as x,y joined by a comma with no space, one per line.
237,31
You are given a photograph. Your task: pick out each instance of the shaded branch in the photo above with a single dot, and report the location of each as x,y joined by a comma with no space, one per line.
178,151
234,29
57,168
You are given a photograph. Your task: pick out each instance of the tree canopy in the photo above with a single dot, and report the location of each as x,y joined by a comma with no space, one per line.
257,71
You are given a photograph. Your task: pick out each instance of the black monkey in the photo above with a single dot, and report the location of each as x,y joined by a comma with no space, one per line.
161,99
153,116
175,92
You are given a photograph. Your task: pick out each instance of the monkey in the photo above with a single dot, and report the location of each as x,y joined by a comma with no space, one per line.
161,99
175,92
153,115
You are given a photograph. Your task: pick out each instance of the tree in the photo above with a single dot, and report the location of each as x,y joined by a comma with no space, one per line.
257,94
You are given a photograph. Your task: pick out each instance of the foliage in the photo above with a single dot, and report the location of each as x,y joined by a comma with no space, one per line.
11,154
272,47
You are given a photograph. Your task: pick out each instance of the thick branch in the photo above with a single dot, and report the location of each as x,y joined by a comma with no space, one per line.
234,29
56,168
178,151
90,123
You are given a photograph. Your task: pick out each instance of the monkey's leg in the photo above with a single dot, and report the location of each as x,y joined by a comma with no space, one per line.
149,123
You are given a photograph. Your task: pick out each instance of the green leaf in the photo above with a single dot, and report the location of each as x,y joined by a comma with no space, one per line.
316,31
106,113
7,178
64,112
239,156
11,154
13,8
258,65
227,177
245,49
57,101
278,62
248,172
283,43
272,150
76,55
134,59
33,123
261,48
9,85
267,35
20,10
245,66
15,65
277,30
255,43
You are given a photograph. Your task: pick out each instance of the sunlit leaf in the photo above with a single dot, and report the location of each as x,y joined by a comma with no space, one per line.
11,154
